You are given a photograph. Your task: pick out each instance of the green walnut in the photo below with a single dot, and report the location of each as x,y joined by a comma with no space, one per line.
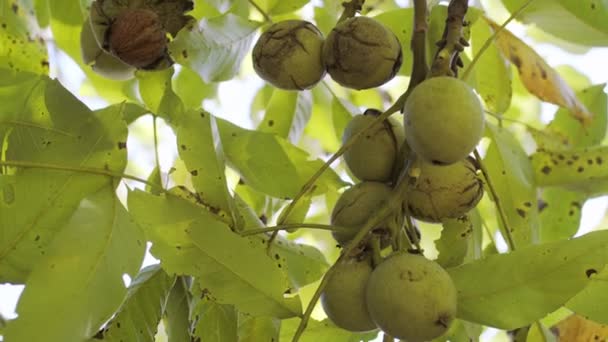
442,192
100,61
343,298
288,55
362,53
355,206
443,120
373,156
411,298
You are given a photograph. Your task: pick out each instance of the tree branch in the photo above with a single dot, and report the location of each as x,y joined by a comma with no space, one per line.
446,60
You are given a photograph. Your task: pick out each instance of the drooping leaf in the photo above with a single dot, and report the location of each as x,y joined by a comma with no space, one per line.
191,241
138,317
47,127
78,285
185,81
253,153
323,331
492,73
342,113
22,48
287,113
580,22
177,312
215,47
512,176
528,283
538,77
201,150
580,169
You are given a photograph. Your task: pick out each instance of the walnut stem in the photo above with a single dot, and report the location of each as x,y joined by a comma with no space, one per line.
446,60
418,44
350,9
262,12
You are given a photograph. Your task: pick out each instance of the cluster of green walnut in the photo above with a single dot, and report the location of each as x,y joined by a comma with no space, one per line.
121,36
404,294
359,53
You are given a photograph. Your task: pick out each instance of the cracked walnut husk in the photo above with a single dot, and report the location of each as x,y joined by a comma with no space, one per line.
288,55
362,53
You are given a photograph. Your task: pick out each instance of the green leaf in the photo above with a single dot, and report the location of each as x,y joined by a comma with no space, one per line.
214,322
589,302
582,23
559,213
187,80
492,72
253,153
201,150
323,331
253,329
78,285
528,283
282,7
177,312
576,134
138,317
156,91
512,176
342,112
191,241
48,127
21,46
287,113
304,264
580,169
216,47
460,240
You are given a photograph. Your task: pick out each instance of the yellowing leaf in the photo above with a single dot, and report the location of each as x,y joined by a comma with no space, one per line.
577,328
538,77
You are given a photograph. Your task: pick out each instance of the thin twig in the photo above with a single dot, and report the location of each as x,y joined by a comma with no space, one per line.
255,231
497,202
418,44
262,12
486,44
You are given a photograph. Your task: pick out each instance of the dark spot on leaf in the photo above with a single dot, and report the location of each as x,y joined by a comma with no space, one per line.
546,170
241,181
576,204
118,324
202,114
521,212
598,160
593,7
528,204
516,60
3,25
569,162
575,157
122,145
276,256
185,53
15,8
44,63
590,272
194,173
580,169
263,218
178,247
270,123
561,157
37,238
590,161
